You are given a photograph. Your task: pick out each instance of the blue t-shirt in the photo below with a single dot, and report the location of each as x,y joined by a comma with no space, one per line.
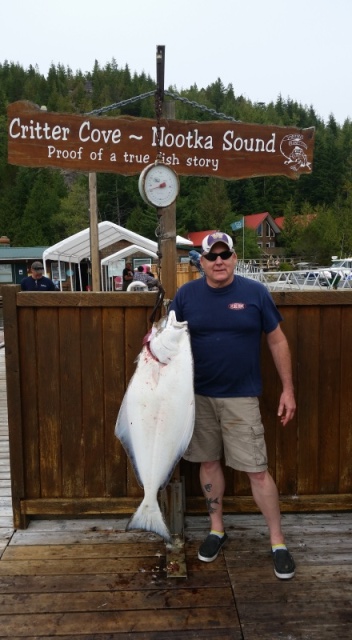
39,284
226,325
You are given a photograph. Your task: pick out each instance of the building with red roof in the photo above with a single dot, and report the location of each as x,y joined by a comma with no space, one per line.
197,237
266,228
263,224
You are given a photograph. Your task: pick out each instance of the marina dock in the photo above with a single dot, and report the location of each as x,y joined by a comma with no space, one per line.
85,579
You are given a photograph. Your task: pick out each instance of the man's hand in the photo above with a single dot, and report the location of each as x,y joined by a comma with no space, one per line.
287,407
280,351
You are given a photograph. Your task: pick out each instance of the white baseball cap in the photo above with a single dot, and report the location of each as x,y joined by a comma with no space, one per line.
213,238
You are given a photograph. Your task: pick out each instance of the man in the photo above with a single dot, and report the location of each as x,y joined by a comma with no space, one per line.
127,276
226,316
148,270
147,279
37,281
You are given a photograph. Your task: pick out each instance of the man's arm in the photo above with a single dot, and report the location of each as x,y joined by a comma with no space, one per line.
127,275
280,351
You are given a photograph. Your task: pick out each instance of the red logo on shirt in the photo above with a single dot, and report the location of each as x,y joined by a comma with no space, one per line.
237,306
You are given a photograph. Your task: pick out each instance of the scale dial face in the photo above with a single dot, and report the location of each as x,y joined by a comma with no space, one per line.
158,185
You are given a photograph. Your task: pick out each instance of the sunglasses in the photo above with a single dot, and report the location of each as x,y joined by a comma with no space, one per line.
224,255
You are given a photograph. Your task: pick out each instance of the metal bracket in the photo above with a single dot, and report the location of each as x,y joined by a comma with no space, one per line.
176,559
173,507
160,70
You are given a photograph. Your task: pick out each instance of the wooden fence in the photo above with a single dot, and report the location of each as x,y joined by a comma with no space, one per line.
69,357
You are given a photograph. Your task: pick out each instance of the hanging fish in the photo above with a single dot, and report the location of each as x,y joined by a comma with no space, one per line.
156,418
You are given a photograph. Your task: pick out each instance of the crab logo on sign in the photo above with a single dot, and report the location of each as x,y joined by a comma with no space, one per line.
293,149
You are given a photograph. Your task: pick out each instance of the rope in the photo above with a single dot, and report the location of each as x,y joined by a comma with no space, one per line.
158,303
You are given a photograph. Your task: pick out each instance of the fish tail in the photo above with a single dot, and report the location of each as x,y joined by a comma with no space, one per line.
148,517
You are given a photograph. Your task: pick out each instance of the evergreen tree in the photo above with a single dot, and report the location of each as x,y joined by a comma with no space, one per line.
291,231
214,205
143,220
320,239
250,250
42,205
73,214
202,201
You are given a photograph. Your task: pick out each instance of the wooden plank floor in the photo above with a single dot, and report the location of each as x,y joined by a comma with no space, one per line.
89,579
6,522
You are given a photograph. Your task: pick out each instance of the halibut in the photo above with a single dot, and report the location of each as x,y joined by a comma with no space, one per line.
156,419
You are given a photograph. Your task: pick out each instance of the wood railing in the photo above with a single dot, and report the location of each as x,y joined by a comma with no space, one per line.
69,357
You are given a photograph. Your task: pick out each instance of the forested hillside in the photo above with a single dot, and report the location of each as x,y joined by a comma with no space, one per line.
43,206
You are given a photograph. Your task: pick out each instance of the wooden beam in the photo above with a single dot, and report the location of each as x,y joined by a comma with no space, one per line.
94,235
168,236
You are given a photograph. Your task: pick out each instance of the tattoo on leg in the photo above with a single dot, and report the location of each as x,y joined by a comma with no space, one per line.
210,502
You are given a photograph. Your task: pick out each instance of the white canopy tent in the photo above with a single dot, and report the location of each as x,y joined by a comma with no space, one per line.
115,258
76,248
180,241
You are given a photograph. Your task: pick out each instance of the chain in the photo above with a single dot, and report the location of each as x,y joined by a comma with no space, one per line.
158,114
159,231
202,107
123,103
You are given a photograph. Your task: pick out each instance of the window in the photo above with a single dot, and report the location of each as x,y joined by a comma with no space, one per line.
270,233
5,273
137,262
260,230
58,272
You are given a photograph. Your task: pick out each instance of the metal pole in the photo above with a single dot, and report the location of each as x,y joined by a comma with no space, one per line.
160,70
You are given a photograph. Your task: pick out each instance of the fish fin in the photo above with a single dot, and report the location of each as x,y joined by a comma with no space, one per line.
148,517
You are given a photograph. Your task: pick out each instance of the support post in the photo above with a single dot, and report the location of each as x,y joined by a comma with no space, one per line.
160,70
172,498
168,237
94,236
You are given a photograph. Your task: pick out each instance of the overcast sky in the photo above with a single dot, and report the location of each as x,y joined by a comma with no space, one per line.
301,49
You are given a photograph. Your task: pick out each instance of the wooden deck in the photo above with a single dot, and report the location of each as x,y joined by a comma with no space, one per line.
88,579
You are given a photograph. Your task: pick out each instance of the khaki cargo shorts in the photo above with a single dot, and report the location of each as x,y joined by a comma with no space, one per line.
229,426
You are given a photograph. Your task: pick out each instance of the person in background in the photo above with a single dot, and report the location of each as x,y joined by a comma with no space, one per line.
194,260
56,284
127,276
148,270
227,315
140,276
37,281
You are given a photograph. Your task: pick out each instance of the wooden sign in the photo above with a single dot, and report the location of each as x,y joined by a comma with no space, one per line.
125,145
